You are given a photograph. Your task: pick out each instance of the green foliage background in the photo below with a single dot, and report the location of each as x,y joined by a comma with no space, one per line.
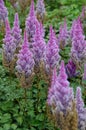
15,112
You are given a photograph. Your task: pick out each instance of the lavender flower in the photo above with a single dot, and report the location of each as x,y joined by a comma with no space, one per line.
25,63
16,31
81,110
83,13
9,45
30,23
40,10
60,94
39,46
71,69
52,52
3,11
78,50
63,35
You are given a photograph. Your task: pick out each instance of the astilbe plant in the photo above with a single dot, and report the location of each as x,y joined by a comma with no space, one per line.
81,110
16,32
61,101
25,64
78,50
9,48
52,52
63,35
71,69
31,23
83,13
39,50
3,16
3,11
39,46
40,10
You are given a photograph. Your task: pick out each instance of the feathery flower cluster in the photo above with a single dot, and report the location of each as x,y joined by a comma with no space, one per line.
52,51
25,62
78,50
63,35
39,46
60,94
83,14
40,10
61,101
3,11
30,23
71,69
9,46
16,31
81,110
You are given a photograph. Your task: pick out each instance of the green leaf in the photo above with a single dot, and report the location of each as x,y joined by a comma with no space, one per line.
14,126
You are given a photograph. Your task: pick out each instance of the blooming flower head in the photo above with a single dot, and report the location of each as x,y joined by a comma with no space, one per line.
60,93
9,45
39,46
81,110
52,51
71,69
16,31
40,10
63,35
78,50
30,23
3,11
83,13
25,63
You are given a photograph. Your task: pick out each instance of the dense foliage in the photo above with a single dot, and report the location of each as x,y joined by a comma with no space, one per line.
23,108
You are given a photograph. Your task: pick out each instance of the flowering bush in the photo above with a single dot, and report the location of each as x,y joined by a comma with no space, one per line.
41,74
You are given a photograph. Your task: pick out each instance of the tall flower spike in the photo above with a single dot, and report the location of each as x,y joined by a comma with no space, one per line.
81,110
16,31
71,69
30,23
39,46
52,52
3,11
25,63
60,93
63,35
40,10
51,91
78,50
8,46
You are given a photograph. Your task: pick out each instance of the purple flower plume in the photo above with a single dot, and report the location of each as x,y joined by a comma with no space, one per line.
25,63
71,69
16,31
9,45
81,110
52,52
39,45
63,35
31,23
3,11
78,50
60,94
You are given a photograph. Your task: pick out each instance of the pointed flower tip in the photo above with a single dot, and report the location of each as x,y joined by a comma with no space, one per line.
16,16
32,11
7,25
